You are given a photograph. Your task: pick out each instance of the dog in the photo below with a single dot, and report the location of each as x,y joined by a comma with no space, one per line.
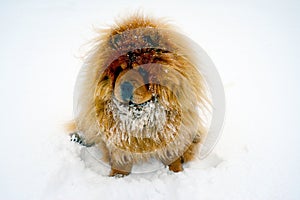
140,94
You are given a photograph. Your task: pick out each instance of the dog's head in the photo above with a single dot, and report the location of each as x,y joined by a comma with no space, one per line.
147,90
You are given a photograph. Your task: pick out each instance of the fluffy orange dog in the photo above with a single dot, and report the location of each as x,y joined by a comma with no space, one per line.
140,95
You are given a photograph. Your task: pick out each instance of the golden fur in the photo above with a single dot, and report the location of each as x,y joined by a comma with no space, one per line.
124,53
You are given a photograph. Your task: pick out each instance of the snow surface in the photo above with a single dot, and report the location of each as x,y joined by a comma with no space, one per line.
255,46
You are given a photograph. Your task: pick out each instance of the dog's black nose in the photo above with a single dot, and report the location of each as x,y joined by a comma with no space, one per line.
126,91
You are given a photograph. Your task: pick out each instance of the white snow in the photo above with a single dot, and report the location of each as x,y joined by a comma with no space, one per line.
255,46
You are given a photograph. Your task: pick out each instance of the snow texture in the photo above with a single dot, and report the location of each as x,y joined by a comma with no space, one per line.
255,46
134,118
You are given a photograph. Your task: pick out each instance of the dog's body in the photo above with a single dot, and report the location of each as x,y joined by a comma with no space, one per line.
140,95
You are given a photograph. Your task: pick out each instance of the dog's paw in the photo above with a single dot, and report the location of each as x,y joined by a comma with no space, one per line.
176,166
79,138
118,173
76,138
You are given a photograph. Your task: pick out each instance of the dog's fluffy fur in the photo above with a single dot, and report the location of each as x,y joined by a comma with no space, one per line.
165,87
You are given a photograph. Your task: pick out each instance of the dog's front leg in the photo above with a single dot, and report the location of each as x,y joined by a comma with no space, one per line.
120,164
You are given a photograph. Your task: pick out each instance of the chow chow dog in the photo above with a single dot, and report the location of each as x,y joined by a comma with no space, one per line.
140,96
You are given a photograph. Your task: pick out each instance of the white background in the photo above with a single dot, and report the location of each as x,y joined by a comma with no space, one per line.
255,47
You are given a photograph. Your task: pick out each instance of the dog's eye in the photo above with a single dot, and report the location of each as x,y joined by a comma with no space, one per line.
118,71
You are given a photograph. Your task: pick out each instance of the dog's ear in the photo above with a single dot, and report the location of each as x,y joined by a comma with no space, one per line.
114,41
